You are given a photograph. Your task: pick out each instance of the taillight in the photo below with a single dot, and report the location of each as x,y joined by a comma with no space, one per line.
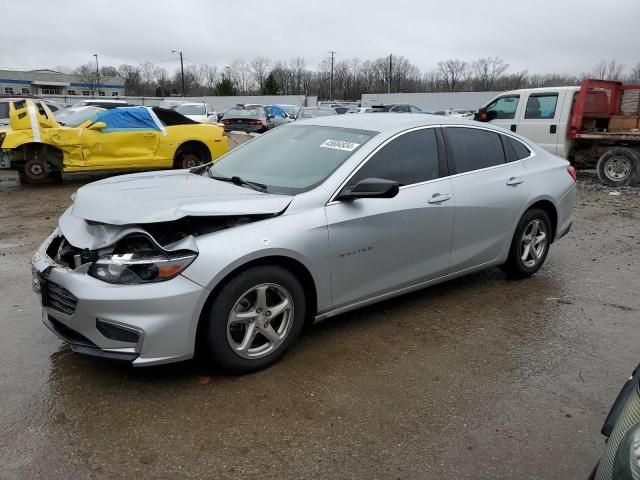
256,122
226,122
572,172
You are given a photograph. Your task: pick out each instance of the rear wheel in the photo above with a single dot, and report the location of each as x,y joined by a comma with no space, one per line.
530,244
619,166
255,319
191,155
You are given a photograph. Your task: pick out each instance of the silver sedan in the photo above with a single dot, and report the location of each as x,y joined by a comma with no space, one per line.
317,218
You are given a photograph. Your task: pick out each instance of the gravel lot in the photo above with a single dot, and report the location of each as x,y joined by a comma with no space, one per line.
479,378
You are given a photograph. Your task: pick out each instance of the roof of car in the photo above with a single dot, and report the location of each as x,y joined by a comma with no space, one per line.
541,89
381,122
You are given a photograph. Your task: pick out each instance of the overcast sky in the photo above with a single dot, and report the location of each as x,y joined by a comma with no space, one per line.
543,36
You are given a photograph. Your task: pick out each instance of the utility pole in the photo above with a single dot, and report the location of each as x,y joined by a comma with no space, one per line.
331,78
97,74
181,68
390,72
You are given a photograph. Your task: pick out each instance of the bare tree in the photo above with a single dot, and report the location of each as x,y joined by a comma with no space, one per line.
487,70
453,73
283,75
297,66
635,74
260,67
515,81
87,74
150,73
608,70
240,75
132,78
210,78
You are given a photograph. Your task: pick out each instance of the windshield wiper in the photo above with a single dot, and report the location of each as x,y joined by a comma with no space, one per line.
260,187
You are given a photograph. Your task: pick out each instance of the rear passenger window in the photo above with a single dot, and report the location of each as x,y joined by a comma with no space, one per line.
541,106
520,149
410,158
473,148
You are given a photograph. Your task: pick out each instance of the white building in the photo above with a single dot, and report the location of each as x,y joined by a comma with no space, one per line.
50,82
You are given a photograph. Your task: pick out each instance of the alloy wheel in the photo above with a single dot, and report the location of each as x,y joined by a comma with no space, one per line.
260,321
533,243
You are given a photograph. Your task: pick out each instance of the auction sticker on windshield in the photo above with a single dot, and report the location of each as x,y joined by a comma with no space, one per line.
340,145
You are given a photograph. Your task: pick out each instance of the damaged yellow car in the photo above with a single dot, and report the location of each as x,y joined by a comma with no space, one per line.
92,139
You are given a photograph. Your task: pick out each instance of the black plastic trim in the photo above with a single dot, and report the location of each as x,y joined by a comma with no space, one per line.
96,352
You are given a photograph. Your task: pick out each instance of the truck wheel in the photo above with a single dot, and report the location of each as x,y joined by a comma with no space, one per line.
619,166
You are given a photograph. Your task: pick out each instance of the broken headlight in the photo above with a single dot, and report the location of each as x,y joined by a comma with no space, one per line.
144,267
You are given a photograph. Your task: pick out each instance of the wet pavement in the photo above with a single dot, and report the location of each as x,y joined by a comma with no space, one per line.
478,378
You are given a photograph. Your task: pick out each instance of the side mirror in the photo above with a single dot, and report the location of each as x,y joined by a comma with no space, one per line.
370,188
97,126
482,115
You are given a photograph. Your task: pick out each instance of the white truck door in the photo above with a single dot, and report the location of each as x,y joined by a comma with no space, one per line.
506,111
540,118
564,142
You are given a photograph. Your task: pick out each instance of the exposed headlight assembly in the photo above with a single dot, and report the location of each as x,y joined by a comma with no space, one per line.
143,267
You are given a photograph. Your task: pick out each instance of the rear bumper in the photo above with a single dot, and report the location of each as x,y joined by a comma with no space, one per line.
565,208
245,128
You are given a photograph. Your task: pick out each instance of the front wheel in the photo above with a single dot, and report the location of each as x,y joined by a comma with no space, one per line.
255,319
530,244
37,171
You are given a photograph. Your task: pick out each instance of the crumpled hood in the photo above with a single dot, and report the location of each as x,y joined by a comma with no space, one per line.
169,195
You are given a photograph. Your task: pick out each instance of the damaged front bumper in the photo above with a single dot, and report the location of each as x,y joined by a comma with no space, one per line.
146,324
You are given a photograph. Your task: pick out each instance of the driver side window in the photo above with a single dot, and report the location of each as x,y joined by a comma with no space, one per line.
408,159
505,107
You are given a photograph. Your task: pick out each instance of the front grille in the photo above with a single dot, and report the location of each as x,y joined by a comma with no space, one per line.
628,418
59,298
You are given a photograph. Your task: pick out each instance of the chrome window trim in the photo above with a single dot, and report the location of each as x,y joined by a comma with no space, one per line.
532,154
332,199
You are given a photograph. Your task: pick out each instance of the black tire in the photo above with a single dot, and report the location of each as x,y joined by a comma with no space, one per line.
515,266
191,156
619,166
217,332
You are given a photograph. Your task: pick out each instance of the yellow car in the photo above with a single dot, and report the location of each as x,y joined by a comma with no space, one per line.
94,139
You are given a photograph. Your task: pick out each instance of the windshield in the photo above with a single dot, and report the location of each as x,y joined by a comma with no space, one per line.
317,112
79,117
191,109
244,113
293,158
290,109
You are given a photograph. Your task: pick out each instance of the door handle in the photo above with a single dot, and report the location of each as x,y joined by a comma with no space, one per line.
514,181
514,128
439,198
149,134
